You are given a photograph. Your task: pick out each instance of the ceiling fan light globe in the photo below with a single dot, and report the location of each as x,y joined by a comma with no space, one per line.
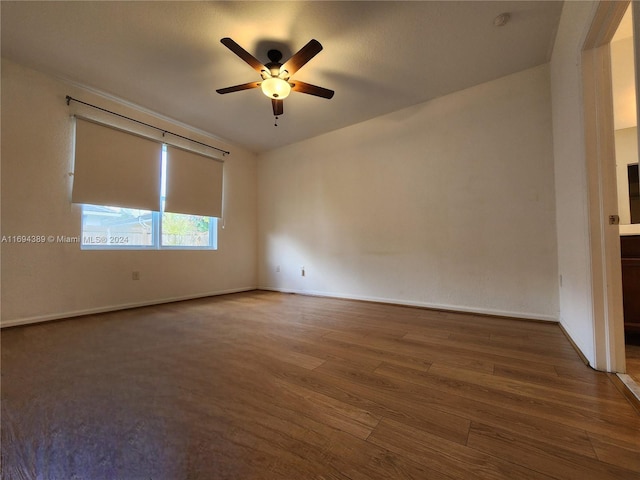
276,88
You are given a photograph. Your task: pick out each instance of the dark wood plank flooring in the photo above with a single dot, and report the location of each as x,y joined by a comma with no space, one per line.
263,385
633,361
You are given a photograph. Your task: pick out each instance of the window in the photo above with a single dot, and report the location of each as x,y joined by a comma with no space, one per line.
110,227
116,227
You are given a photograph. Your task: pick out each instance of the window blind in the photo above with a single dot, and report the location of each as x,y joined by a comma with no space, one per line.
194,183
115,168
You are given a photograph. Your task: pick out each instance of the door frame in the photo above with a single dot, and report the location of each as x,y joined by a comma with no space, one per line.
604,237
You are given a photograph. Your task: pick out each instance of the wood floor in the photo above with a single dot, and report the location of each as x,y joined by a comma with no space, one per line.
264,385
633,361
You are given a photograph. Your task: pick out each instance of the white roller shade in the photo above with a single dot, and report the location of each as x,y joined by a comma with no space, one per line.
194,183
115,168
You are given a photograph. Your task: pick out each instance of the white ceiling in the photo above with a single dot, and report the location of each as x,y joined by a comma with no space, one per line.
378,56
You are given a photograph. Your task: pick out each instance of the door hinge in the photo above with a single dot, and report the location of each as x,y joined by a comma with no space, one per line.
614,220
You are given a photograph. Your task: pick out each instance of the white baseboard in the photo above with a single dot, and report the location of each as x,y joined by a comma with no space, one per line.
631,384
434,306
392,301
113,308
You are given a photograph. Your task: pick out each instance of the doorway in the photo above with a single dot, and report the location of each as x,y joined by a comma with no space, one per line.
628,184
602,178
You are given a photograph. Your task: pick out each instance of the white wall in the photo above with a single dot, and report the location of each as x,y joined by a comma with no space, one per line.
623,83
445,204
572,222
55,280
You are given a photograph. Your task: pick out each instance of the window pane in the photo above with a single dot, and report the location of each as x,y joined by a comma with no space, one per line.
116,227
180,230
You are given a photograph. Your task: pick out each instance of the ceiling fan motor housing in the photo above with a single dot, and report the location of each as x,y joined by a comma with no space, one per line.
274,55
274,65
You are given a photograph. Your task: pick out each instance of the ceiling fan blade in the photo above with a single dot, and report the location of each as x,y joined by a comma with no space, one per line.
298,86
239,88
303,55
278,106
243,54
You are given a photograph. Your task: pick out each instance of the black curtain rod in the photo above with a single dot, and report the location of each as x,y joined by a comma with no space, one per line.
70,99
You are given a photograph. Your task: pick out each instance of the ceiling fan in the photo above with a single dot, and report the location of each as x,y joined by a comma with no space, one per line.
276,77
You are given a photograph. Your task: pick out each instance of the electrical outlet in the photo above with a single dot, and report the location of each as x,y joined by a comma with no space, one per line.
135,275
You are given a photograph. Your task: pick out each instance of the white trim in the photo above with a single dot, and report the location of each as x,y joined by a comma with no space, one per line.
410,303
630,384
113,308
569,332
604,239
313,293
